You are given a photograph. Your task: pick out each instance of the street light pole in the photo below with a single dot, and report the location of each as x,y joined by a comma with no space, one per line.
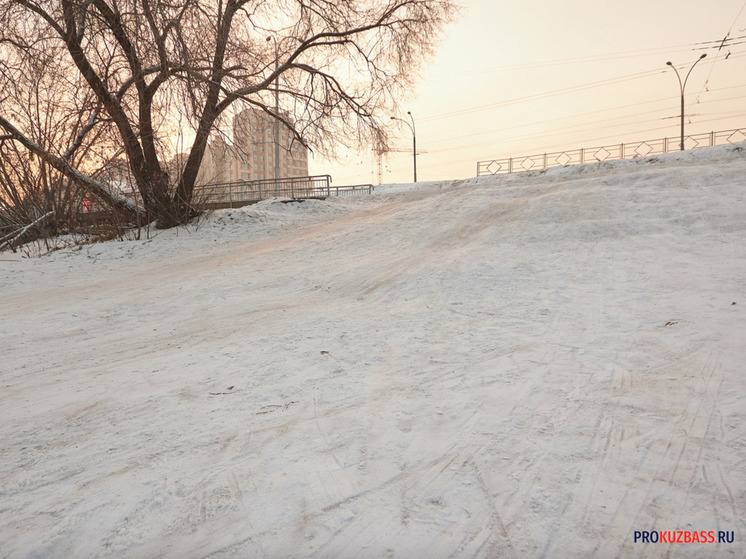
277,115
414,140
682,85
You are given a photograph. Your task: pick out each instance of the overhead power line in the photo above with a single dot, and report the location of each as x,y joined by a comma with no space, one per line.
536,96
562,91
581,127
723,41
701,45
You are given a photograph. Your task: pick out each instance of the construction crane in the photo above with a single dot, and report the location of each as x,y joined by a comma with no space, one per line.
379,151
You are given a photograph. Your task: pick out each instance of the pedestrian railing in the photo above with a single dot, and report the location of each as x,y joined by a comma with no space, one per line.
351,190
241,193
607,153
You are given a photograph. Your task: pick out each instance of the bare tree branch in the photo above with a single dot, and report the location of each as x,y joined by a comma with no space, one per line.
107,193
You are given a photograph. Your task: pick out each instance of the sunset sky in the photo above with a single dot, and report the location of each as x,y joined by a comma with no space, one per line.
519,78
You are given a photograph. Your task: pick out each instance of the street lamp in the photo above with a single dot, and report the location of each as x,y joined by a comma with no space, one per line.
414,140
682,85
277,115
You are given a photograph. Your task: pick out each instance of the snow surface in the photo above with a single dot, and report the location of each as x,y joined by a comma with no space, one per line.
530,365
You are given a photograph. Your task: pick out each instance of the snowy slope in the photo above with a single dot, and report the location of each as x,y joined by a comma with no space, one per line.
533,365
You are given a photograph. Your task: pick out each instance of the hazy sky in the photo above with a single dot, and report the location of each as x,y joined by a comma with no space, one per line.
518,78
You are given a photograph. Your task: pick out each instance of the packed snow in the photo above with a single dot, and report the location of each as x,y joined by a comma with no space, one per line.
533,365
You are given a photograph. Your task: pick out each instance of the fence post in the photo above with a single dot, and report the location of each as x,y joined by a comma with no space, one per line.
510,165
545,161
230,195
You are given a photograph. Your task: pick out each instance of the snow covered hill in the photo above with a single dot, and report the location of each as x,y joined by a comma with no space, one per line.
536,365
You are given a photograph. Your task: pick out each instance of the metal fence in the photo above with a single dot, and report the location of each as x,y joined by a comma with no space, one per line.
607,153
237,194
351,190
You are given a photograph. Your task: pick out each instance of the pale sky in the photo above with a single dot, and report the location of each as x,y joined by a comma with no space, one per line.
522,78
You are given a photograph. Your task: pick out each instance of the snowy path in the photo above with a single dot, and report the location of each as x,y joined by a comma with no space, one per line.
524,366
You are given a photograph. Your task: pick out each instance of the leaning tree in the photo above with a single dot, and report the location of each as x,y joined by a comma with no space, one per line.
149,69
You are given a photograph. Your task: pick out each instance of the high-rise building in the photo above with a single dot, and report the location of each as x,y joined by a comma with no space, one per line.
251,154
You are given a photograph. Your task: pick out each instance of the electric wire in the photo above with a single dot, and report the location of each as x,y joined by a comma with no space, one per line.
575,116
589,127
720,48
701,45
543,95
586,143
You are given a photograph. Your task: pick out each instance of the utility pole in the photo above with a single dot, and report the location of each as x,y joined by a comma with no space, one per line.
682,85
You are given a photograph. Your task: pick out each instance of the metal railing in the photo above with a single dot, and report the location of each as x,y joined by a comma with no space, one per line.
607,153
241,193
351,190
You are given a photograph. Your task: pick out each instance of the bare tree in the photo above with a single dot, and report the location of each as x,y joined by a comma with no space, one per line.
30,187
339,67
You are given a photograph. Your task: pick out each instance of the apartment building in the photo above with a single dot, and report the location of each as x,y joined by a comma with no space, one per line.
251,154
